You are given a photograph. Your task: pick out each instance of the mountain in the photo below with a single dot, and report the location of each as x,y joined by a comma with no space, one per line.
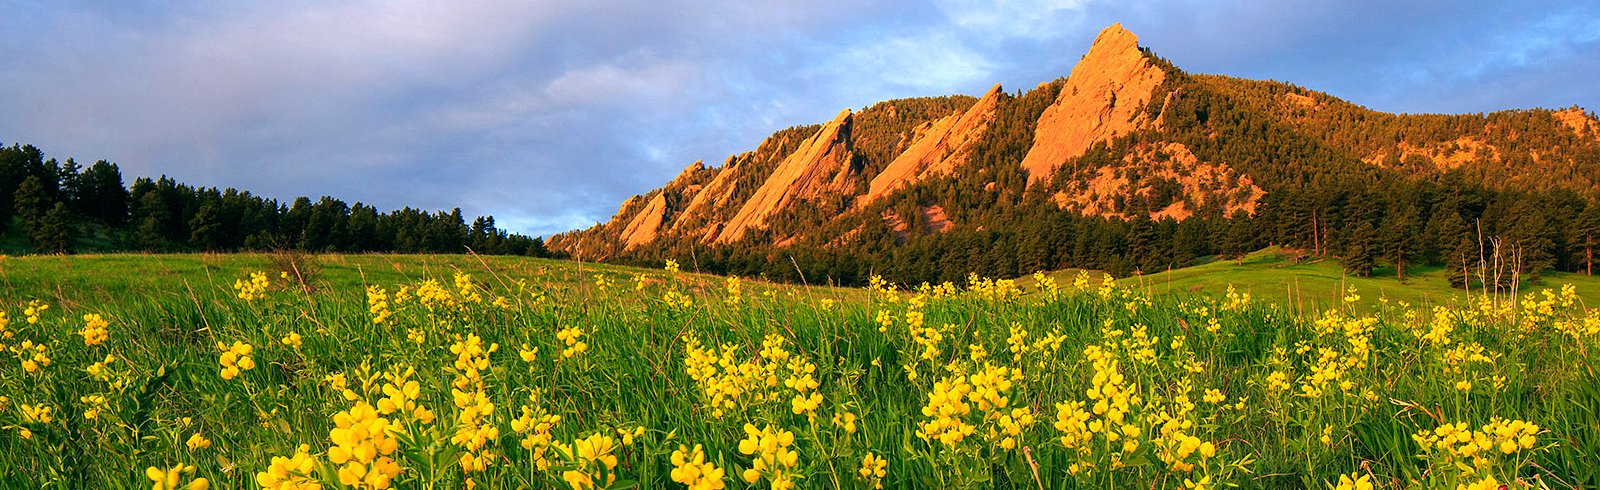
1129,164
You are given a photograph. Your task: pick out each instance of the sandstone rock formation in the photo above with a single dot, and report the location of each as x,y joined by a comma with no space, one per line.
642,229
819,167
1104,97
937,148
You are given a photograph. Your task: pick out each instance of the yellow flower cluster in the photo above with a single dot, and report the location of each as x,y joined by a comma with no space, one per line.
94,330
593,462
378,305
255,288
1329,369
690,468
1175,446
1456,444
536,425
727,383
98,369
573,338
361,448
1534,311
32,356
34,309
1350,482
1235,300
400,394
235,359
1111,401
991,393
291,473
1047,285
92,406
1582,329
1465,354
168,478
430,294
1440,328
992,289
946,410
676,300
873,469
735,290
474,427
197,442
471,360
293,340
672,267
466,289
802,381
35,414
846,421
773,458
1277,381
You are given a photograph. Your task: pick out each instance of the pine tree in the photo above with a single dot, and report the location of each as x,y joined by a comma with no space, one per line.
1360,251
1457,249
31,203
206,228
1239,238
150,233
52,234
100,195
1532,235
1586,234
1400,241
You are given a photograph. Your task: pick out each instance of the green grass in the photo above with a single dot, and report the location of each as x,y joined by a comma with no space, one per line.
1028,362
1316,283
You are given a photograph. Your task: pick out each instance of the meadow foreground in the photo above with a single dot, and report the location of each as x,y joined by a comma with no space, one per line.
615,378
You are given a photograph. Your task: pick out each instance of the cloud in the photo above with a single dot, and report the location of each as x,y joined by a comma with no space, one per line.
549,114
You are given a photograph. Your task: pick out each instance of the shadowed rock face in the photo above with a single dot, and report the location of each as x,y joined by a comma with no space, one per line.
819,167
1104,97
937,149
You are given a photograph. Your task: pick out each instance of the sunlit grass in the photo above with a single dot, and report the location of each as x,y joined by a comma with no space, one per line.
451,372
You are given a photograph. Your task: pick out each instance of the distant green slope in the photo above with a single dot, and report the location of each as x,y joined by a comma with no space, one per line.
1272,275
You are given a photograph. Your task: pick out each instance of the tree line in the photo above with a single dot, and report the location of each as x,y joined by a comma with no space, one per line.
61,207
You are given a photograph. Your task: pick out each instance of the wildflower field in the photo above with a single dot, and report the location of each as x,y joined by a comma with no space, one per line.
542,374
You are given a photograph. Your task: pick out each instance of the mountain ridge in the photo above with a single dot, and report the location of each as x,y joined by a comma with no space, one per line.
1126,137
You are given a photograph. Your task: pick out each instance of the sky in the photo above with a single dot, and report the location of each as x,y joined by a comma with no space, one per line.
547,114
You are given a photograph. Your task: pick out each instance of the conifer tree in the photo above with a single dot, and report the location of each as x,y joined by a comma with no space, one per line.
1360,251
1400,241
52,234
31,203
1586,235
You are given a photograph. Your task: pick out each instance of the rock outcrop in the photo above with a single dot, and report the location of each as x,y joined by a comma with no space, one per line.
1168,174
1104,97
819,167
936,149
1579,121
642,228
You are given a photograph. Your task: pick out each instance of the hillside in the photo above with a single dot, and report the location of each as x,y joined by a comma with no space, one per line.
1128,164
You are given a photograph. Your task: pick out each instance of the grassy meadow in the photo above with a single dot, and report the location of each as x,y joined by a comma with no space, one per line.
428,372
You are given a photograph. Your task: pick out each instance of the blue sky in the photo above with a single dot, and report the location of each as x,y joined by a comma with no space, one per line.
548,114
